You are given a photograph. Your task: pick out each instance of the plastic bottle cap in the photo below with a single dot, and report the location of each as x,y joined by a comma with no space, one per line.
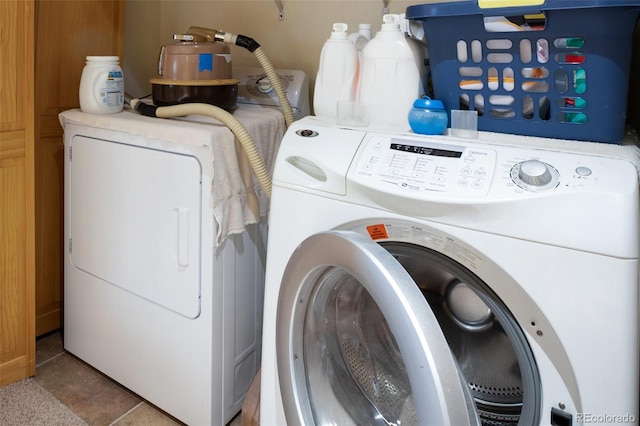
390,22
365,31
427,102
103,58
390,18
339,31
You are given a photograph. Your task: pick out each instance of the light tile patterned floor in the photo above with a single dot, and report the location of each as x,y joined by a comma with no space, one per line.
94,397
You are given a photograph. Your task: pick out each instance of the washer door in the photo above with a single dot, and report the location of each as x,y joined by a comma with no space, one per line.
491,349
358,344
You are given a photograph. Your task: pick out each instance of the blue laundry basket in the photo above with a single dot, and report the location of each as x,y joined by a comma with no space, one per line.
559,69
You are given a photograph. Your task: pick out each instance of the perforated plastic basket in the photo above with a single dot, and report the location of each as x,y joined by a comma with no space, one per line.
559,69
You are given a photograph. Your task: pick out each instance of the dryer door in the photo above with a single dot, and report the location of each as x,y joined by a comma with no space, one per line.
134,220
358,344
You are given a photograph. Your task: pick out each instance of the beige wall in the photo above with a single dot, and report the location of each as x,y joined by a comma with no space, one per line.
294,42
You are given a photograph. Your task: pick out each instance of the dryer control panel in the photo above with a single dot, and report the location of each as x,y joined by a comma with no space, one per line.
421,165
256,89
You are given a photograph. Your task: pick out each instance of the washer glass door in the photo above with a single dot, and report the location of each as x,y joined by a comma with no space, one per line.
358,344
491,349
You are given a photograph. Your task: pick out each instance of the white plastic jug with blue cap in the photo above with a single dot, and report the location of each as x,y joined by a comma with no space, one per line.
390,80
337,73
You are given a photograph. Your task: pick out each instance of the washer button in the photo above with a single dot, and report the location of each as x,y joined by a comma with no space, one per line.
583,171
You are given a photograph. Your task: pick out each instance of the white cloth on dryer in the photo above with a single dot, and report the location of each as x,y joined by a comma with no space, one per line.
229,195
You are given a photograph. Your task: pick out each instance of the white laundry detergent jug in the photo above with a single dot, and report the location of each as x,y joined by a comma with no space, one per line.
417,41
102,85
364,30
336,78
360,40
390,80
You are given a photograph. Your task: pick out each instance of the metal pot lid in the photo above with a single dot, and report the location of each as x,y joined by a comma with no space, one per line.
196,47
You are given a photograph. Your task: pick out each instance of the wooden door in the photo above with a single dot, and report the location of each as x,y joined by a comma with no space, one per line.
17,330
66,32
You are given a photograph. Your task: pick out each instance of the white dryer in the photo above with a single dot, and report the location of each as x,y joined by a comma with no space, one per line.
441,281
151,298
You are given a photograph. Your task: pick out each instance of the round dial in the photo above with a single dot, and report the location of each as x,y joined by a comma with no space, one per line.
534,175
264,85
534,172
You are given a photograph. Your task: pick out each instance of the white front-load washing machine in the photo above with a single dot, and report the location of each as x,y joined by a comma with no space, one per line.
432,280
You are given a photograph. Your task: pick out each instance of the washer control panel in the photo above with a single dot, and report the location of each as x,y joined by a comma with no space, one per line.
402,167
420,165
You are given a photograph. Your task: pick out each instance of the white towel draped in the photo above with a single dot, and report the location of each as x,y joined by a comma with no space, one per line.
229,195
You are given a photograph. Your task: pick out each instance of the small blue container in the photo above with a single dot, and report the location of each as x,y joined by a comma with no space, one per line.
428,117
566,78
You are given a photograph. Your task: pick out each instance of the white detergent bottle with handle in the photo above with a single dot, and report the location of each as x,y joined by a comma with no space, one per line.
337,73
416,39
362,37
389,81
360,40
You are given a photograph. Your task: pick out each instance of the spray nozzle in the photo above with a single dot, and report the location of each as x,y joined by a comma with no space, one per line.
207,34
201,32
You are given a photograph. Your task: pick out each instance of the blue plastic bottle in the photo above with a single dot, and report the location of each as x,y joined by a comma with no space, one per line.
428,117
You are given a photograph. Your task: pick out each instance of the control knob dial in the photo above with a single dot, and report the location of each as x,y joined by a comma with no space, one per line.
535,175
264,85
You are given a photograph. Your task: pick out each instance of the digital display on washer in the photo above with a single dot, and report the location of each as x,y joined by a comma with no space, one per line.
424,149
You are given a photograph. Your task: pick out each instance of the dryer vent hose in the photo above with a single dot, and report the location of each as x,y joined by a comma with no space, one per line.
285,105
207,110
252,46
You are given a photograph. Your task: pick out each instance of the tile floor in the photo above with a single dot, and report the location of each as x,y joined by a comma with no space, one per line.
94,397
